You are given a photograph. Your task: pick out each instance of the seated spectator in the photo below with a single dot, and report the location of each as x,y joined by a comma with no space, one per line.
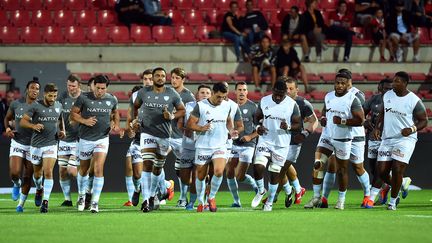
4,106
231,30
399,27
379,34
130,12
154,14
340,28
420,19
288,64
365,10
314,27
428,8
254,23
263,59
292,29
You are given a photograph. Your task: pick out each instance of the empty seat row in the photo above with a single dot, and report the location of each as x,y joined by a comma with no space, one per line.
55,4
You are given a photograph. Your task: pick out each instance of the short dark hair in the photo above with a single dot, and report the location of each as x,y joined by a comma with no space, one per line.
35,80
295,8
51,87
240,83
344,73
232,3
266,37
74,78
101,79
136,88
179,72
403,75
203,86
289,80
385,81
280,85
147,72
158,69
90,81
341,2
220,87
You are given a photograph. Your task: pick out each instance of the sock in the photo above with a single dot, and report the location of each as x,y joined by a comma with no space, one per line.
296,184
342,196
155,179
233,187
374,192
260,185
287,188
193,198
215,184
183,190
65,186
82,182
89,184
129,187
250,181
136,184
162,184
272,193
48,186
98,183
328,183
317,190
145,186
364,181
200,188
392,201
38,182
22,200
17,183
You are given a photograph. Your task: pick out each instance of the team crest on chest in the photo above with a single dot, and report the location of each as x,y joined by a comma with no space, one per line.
166,98
245,111
108,102
57,110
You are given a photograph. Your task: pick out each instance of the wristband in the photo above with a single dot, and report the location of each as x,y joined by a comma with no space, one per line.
413,129
172,116
343,121
305,133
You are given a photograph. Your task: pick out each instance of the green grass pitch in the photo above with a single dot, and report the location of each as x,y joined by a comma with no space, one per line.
412,222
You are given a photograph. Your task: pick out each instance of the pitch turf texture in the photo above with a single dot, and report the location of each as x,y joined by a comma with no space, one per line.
412,222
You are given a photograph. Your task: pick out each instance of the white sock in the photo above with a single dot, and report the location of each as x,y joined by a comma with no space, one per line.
65,186
272,193
342,196
317,190
17,183
98,183
137,184
162,183
365,183
82,182
328,183
146,183
89,184
129,187
392,201
233,187
287,188
48,186
296,184
260,184
154,184
374,192
22,200
38,182
215,184
183,190
193,198
200,188
250,181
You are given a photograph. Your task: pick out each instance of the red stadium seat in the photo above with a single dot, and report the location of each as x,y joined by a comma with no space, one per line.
64,18
10,5
202,33
53,35
4,20
176,16
240,77
141,34
219,77
97,34
20,18
357,77
31,4
107,18
328,4
31,35
327,77
84,76
273,18
97,4
203,4
418,77
222,4
110,76
128,77
197,77
121,95
424,36
119,34
53,5
185,34
75,34
5,77
193,18
111,3
312,77
182,4
164,34
74,4
318,95
122,113
267,4
287,4
86,18
363,41
374,77
9,35
276,34
42,18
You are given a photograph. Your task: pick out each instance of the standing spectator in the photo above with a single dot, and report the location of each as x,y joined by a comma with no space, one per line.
254,23
379,35
340,28
4,106
130,12
400,27
292,29
231,30
263,59
420,19
365,10
314,27
154,14
288,64
428,8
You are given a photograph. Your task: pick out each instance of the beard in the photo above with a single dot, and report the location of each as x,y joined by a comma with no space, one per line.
158,85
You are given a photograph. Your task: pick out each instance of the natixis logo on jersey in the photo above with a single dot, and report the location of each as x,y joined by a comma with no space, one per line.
270,117
335,111
398,113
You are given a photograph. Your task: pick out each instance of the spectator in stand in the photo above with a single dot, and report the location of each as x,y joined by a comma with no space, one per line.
4,106
314,27
420,19
130,12
340,28
232,30
401,31
263,59
254,23
154,14
288,64
379,35
365,10
428,8
292,29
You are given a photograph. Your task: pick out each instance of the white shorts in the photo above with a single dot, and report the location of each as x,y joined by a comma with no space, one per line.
400,149
325,142
204,156
151,142
67,148
277,154
243,153
37,154
342,150
86,148
19,150
373,147
134,151
357,152
410,37
294,152
186,160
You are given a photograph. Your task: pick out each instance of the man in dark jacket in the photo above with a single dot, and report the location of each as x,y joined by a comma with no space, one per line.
292,29
314,27
254,23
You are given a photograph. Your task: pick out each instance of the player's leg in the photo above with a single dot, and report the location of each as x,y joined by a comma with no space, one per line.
15,169
47,167
372,158
128,179
293,179
219,161
137,168
329,181
278,160
186,179
357,159
98,181
260,164
200,184
65,180
398,170
89,184
25,185
342,154
187,174
192,190
285,185
245,158
176,145
230,174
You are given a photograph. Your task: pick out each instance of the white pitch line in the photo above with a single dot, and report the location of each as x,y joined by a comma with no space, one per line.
419,216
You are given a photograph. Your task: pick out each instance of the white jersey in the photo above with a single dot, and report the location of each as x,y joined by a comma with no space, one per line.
217,116
360,130
234,107
338,106
398,114
274,114
189,143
